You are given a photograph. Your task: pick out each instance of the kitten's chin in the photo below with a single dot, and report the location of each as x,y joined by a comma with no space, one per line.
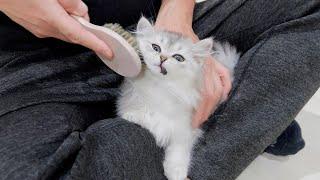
158,70
163,70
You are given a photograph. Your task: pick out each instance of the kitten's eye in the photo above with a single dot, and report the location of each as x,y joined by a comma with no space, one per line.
156,48
178,57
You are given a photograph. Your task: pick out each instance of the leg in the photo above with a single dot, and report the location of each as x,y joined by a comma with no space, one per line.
177,156
53,140
274,79
242,22
117,149
40,141
39,137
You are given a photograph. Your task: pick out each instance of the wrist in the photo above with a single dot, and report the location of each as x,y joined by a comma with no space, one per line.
183,9
1,4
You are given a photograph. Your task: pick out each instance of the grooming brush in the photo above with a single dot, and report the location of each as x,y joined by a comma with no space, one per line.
126,60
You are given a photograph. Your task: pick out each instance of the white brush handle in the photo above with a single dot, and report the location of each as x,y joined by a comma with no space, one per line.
126,60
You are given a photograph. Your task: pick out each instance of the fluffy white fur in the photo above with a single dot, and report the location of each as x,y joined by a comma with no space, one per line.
227,55
164,103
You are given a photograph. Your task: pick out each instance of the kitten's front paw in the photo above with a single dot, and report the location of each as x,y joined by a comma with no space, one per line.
174,171
130,117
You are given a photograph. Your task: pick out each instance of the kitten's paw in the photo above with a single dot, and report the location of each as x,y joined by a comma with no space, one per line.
130,117
174,171
162,136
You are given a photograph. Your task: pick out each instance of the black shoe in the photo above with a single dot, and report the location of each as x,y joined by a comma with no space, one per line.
289,142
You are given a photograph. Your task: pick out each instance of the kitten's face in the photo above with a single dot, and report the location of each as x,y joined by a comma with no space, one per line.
168,54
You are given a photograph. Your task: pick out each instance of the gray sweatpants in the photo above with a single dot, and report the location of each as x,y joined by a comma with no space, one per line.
57,101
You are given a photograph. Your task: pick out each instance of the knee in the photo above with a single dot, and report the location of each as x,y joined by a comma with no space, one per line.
117,133
122,149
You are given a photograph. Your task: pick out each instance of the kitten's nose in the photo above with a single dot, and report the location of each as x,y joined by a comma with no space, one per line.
163,58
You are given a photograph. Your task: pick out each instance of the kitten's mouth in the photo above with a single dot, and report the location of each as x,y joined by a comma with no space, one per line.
163,70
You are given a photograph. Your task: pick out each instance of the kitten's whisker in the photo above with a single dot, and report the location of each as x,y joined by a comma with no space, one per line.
214,52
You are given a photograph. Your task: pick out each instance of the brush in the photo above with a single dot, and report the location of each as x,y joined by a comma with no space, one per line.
127,58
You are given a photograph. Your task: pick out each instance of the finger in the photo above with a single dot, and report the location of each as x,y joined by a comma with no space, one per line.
70,28
76,7
198,115
218,90
213,87
225,77
204,108
212,92
226,82
215,77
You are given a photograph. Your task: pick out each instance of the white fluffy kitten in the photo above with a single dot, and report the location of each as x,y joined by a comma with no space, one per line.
163,97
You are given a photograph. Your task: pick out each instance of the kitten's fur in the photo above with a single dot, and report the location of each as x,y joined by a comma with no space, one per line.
163,100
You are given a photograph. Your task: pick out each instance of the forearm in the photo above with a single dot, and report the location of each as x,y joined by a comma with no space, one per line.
181,9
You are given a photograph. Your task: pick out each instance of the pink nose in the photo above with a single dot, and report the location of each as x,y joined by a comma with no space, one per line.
163,58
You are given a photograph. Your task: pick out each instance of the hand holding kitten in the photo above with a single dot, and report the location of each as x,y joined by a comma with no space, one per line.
176,16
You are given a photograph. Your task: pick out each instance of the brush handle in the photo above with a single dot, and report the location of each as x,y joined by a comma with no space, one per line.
126,60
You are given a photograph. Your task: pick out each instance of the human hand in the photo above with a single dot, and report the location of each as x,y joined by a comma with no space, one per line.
176,16
50,18
216,87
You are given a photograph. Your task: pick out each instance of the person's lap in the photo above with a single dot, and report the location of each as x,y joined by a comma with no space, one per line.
32,136
51,92
45,141
277,73
115,148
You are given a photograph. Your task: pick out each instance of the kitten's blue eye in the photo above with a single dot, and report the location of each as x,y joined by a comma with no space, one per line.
178,57
156,48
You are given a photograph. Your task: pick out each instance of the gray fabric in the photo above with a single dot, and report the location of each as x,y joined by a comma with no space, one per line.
277,73
51,105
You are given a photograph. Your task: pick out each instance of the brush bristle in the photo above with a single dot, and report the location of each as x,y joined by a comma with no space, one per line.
130,38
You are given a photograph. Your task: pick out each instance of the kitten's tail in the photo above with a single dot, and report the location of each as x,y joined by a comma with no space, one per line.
226,54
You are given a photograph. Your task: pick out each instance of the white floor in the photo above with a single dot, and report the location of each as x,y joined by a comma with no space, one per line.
303,166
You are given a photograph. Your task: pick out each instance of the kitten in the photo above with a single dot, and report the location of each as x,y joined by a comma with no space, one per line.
163,97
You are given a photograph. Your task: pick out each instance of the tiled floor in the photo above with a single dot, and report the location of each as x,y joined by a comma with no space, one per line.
303,166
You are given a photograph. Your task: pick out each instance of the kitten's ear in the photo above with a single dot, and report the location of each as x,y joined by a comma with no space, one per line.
143,24
203,48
